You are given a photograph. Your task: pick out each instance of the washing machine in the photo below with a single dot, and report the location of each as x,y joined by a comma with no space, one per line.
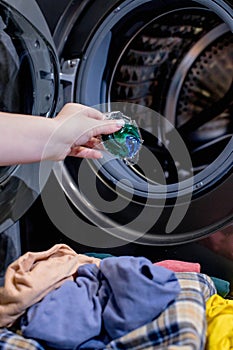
168,64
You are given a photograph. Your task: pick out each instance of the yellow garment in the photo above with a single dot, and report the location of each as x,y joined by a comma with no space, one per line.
219,313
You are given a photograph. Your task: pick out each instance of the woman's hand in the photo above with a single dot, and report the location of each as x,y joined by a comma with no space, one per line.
78,129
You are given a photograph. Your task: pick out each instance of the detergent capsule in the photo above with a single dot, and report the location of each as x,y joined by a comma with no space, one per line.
125,143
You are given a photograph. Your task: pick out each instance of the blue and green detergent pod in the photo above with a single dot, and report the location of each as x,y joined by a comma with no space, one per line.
125,143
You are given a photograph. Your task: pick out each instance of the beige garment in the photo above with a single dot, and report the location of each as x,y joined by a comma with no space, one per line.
33,275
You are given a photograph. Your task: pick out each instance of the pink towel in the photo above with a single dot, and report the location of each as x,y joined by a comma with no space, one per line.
33,275
180,266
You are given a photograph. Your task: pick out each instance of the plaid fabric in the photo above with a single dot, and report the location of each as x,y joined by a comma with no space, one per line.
13,341
181,326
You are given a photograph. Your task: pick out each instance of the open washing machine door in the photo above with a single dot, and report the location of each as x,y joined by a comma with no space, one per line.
29,84
168,64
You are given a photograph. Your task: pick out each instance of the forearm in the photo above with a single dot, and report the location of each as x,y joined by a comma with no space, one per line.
23,138
27,139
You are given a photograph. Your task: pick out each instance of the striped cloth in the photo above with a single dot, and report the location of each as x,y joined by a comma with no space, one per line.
12,341
181,326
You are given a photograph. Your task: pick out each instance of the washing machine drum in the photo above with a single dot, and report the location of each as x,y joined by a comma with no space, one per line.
29,85
168,65
165,63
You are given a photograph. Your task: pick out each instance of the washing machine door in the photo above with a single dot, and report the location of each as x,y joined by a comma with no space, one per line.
168,65
29,83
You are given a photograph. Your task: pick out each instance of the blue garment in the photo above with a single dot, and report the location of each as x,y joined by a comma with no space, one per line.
182,325
102,304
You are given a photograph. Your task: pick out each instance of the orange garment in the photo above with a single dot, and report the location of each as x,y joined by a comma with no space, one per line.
219,314
29,278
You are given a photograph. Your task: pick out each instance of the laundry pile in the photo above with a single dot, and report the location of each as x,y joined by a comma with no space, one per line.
58,299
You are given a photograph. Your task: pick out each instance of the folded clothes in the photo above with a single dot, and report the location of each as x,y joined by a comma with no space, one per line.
12,341
179,265
102,304
219,313
29,278
182,325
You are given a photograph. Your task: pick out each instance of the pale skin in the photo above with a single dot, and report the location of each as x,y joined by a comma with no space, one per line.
73,132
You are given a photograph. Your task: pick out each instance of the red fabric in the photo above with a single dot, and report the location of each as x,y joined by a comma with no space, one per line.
179,266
